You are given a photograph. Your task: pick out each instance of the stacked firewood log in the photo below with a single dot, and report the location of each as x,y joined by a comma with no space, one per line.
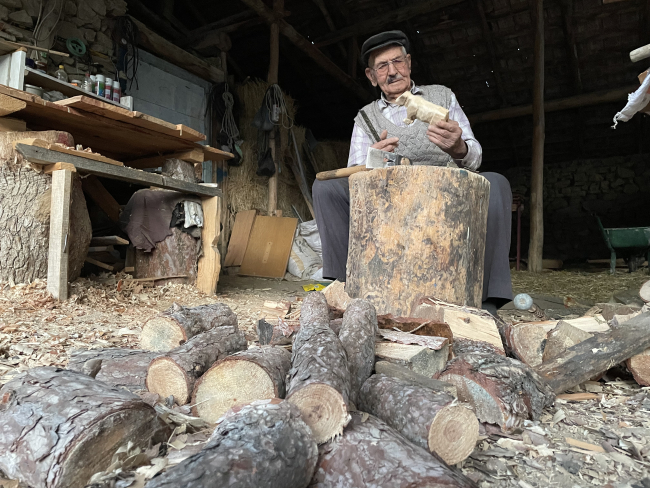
340,397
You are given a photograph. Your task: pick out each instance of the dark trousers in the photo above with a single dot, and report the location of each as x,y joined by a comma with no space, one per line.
332,207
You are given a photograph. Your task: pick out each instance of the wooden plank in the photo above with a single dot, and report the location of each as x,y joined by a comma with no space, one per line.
9,124
213,154
9,105
48,169
269,247
577,397
241,231
66,150
210,261
108,241
45,156
99,263
57,262
100,195
195,156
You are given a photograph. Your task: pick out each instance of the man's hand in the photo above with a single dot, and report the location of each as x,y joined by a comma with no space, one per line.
384,144
447,136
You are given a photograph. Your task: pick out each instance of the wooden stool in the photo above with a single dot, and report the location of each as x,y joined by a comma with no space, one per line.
417,231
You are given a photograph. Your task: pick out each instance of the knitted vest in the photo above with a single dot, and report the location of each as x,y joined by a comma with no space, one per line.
413,141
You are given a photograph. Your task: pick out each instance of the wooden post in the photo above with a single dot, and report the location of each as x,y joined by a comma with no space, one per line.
57,264
210,262
278,7
535,249
225,214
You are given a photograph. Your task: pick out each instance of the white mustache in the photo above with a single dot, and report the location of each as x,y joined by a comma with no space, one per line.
394,78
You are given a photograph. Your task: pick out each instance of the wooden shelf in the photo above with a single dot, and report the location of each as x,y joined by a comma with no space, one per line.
49,83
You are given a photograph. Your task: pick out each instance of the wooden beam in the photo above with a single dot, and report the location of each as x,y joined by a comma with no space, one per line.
494,61
584,100
536,246
571,47
353,57
38,155
100,195
155,20
210,262
194,156
51,168
9,105
57,261
330,23
156,44
390,18
307,47
218,25
274,62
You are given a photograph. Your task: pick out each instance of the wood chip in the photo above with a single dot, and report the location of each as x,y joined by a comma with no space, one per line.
584,445
577,397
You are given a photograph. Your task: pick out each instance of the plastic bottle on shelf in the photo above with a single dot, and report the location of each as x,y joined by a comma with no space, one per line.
117,91
108,91
100,85
88,83
61,74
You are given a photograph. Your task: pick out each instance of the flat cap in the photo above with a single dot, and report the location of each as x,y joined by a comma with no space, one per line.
383,39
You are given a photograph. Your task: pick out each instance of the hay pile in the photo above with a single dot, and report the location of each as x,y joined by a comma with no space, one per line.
246,190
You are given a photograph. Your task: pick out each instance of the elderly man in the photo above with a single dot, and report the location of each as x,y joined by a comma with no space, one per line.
381,125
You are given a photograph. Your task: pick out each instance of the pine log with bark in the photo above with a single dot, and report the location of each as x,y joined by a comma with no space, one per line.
284,332
468,346
176,372
405,374
256,374
125,368
357,334
319,378
370,454
59,427
430,419
25,199
264,444
177,324
501,390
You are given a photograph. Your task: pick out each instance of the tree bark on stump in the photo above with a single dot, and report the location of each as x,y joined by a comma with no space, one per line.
372,454
405,374
177,324
122,368
501,390
256,374
357,334
319,378
176,372
264,444
412,229
428,418
25,199
59,427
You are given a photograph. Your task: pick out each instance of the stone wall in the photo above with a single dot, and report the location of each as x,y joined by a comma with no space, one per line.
616,189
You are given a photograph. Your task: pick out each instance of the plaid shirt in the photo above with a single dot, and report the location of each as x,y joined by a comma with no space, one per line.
396,114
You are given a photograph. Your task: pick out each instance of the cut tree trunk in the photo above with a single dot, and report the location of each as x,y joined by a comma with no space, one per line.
357,335
405,374
319,379
176,255
399,253
179,169
123,368
264,444
501,390
465,322
60,427
419,359
370,454
561,338
177,324
285,331
256,374
430,419
597,354
176,372
25,199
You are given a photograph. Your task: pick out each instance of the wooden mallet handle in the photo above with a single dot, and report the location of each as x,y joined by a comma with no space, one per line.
340,173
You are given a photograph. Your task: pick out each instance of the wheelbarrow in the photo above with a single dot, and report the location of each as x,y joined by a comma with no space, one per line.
631,243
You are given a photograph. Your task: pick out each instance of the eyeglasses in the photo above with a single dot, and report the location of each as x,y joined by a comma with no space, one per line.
382,68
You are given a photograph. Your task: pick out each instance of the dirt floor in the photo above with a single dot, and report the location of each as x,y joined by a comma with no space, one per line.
600,442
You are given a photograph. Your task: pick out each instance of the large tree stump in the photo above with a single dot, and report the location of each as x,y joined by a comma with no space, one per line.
357,334
59,427
25,214
372,454
416,231
264,444
319,379
177,324
123,368
501,390
176,372
430,419
256,374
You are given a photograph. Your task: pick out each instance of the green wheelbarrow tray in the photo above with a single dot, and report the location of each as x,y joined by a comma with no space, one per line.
630,241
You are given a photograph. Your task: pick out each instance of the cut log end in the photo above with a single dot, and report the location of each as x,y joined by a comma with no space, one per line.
166,378
639,366
228,384
453,433
486,408
323,409
161,334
